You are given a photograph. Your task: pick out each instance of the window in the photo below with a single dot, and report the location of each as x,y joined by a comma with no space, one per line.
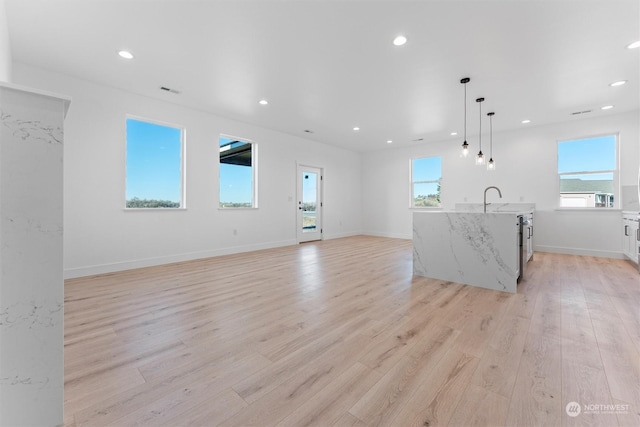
426,174
237,173
587,172
154,165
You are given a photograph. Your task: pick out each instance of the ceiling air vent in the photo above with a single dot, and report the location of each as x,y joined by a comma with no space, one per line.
167,89
580,112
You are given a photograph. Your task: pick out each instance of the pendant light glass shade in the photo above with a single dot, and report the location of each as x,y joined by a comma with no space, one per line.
465,146
491,164
480,156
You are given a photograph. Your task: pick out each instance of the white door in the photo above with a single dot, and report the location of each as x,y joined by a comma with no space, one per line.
309,206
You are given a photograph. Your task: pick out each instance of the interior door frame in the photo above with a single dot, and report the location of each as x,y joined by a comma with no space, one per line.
302,237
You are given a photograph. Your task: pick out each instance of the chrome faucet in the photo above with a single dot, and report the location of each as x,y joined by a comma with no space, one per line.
485,196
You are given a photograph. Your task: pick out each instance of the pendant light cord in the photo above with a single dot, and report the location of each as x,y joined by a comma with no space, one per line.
465,112
479,100
491,136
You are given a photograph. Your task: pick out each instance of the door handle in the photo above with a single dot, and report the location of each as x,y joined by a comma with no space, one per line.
626,230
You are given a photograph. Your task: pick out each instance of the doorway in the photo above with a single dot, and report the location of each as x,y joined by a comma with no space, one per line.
309,218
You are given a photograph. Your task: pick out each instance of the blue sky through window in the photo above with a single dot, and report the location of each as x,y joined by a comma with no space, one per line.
236,181
586,155
154,161
427,169
309,185
426,173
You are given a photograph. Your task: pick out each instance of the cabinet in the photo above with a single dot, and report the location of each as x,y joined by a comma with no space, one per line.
529,236
630,235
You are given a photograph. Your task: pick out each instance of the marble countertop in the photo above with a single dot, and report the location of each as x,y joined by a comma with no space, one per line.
453,211
496,207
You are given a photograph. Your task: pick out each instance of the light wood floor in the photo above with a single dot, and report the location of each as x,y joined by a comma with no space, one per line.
340,333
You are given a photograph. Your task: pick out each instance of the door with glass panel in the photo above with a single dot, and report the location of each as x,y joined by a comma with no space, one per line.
309,203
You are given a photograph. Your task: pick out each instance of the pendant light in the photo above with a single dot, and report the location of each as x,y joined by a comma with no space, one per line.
491,165
480,156
465,146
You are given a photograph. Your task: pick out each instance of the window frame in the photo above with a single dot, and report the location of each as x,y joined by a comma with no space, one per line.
183,177
254,172
615,172
412,183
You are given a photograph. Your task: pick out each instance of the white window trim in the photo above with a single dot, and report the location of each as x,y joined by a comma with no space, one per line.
183,160
412,184
616,175
254,172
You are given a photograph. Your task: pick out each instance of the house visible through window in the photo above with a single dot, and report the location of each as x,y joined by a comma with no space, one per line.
588,172
154,165
237,173
426,173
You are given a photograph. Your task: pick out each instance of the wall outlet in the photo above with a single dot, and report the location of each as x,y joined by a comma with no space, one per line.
521,199
465,199
235,232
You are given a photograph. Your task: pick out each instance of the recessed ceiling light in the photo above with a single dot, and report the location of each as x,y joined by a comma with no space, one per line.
454,133
125,54
356,128
525,121
618,83
400,40
263,102
634,45
607,107
389,141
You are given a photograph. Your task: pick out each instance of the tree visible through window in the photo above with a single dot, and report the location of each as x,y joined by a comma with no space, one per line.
587,172
154,165
237,173
426,173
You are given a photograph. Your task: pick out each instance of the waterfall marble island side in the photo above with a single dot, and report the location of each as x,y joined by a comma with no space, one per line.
31,251
472,248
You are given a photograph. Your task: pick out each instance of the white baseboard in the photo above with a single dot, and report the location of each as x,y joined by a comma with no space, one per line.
329,236
579,251
72,273
390,235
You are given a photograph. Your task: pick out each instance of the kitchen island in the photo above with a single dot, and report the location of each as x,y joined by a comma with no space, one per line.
473,248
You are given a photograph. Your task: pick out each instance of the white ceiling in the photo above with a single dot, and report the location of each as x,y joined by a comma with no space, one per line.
328,66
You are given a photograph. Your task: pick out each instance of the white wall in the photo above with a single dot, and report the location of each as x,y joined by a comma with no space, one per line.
100,236
366,192
526,172
5,45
